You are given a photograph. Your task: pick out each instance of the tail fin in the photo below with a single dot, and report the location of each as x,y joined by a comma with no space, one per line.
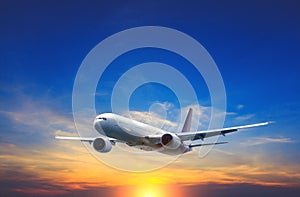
187,124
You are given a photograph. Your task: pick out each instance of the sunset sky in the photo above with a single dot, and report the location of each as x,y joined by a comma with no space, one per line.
255,45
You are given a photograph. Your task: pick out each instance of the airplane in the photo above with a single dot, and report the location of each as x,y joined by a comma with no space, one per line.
114,129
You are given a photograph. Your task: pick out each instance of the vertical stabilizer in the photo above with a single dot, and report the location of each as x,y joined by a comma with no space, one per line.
187,124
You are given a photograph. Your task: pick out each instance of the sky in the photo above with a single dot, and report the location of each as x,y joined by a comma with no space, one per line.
255,45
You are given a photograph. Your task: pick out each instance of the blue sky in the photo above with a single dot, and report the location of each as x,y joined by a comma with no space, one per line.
255,45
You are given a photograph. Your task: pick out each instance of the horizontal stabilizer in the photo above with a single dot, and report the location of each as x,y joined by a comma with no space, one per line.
207,144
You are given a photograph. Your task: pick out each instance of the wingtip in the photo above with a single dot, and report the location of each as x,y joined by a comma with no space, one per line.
271,122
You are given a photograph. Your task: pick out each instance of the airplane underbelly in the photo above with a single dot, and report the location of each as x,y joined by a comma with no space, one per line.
178,151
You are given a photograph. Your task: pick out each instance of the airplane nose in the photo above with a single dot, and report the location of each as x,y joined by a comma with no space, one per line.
102,122
98,125
95,122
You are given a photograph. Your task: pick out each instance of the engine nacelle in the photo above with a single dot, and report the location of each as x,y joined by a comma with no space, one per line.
102,145
170,141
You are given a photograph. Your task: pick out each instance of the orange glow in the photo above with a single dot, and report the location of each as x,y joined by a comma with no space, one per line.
69,167
149,191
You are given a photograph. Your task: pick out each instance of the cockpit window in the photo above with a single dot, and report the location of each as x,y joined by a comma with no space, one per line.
102,118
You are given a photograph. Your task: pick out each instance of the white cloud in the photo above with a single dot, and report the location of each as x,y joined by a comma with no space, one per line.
165,105
266,140
42,117
231,113
244,117
174,118
36,118
152,119
240,106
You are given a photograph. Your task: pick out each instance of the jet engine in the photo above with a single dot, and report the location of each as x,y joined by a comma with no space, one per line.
170,141
102,145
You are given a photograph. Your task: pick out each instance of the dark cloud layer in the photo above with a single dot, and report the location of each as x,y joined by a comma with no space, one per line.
42,188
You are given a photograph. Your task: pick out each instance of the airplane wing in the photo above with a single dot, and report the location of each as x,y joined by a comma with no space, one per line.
210,133
85,139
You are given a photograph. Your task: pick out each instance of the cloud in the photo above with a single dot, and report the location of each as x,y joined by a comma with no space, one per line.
244,117
174,119
69,166
64,133
48,170
266,140
151,118
42,118
231,113
65,166
240,106
33,121
165,105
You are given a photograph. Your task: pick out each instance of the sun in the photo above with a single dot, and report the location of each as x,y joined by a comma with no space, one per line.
149,190
149,195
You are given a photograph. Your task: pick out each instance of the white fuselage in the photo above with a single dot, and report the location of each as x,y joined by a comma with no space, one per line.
134,133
